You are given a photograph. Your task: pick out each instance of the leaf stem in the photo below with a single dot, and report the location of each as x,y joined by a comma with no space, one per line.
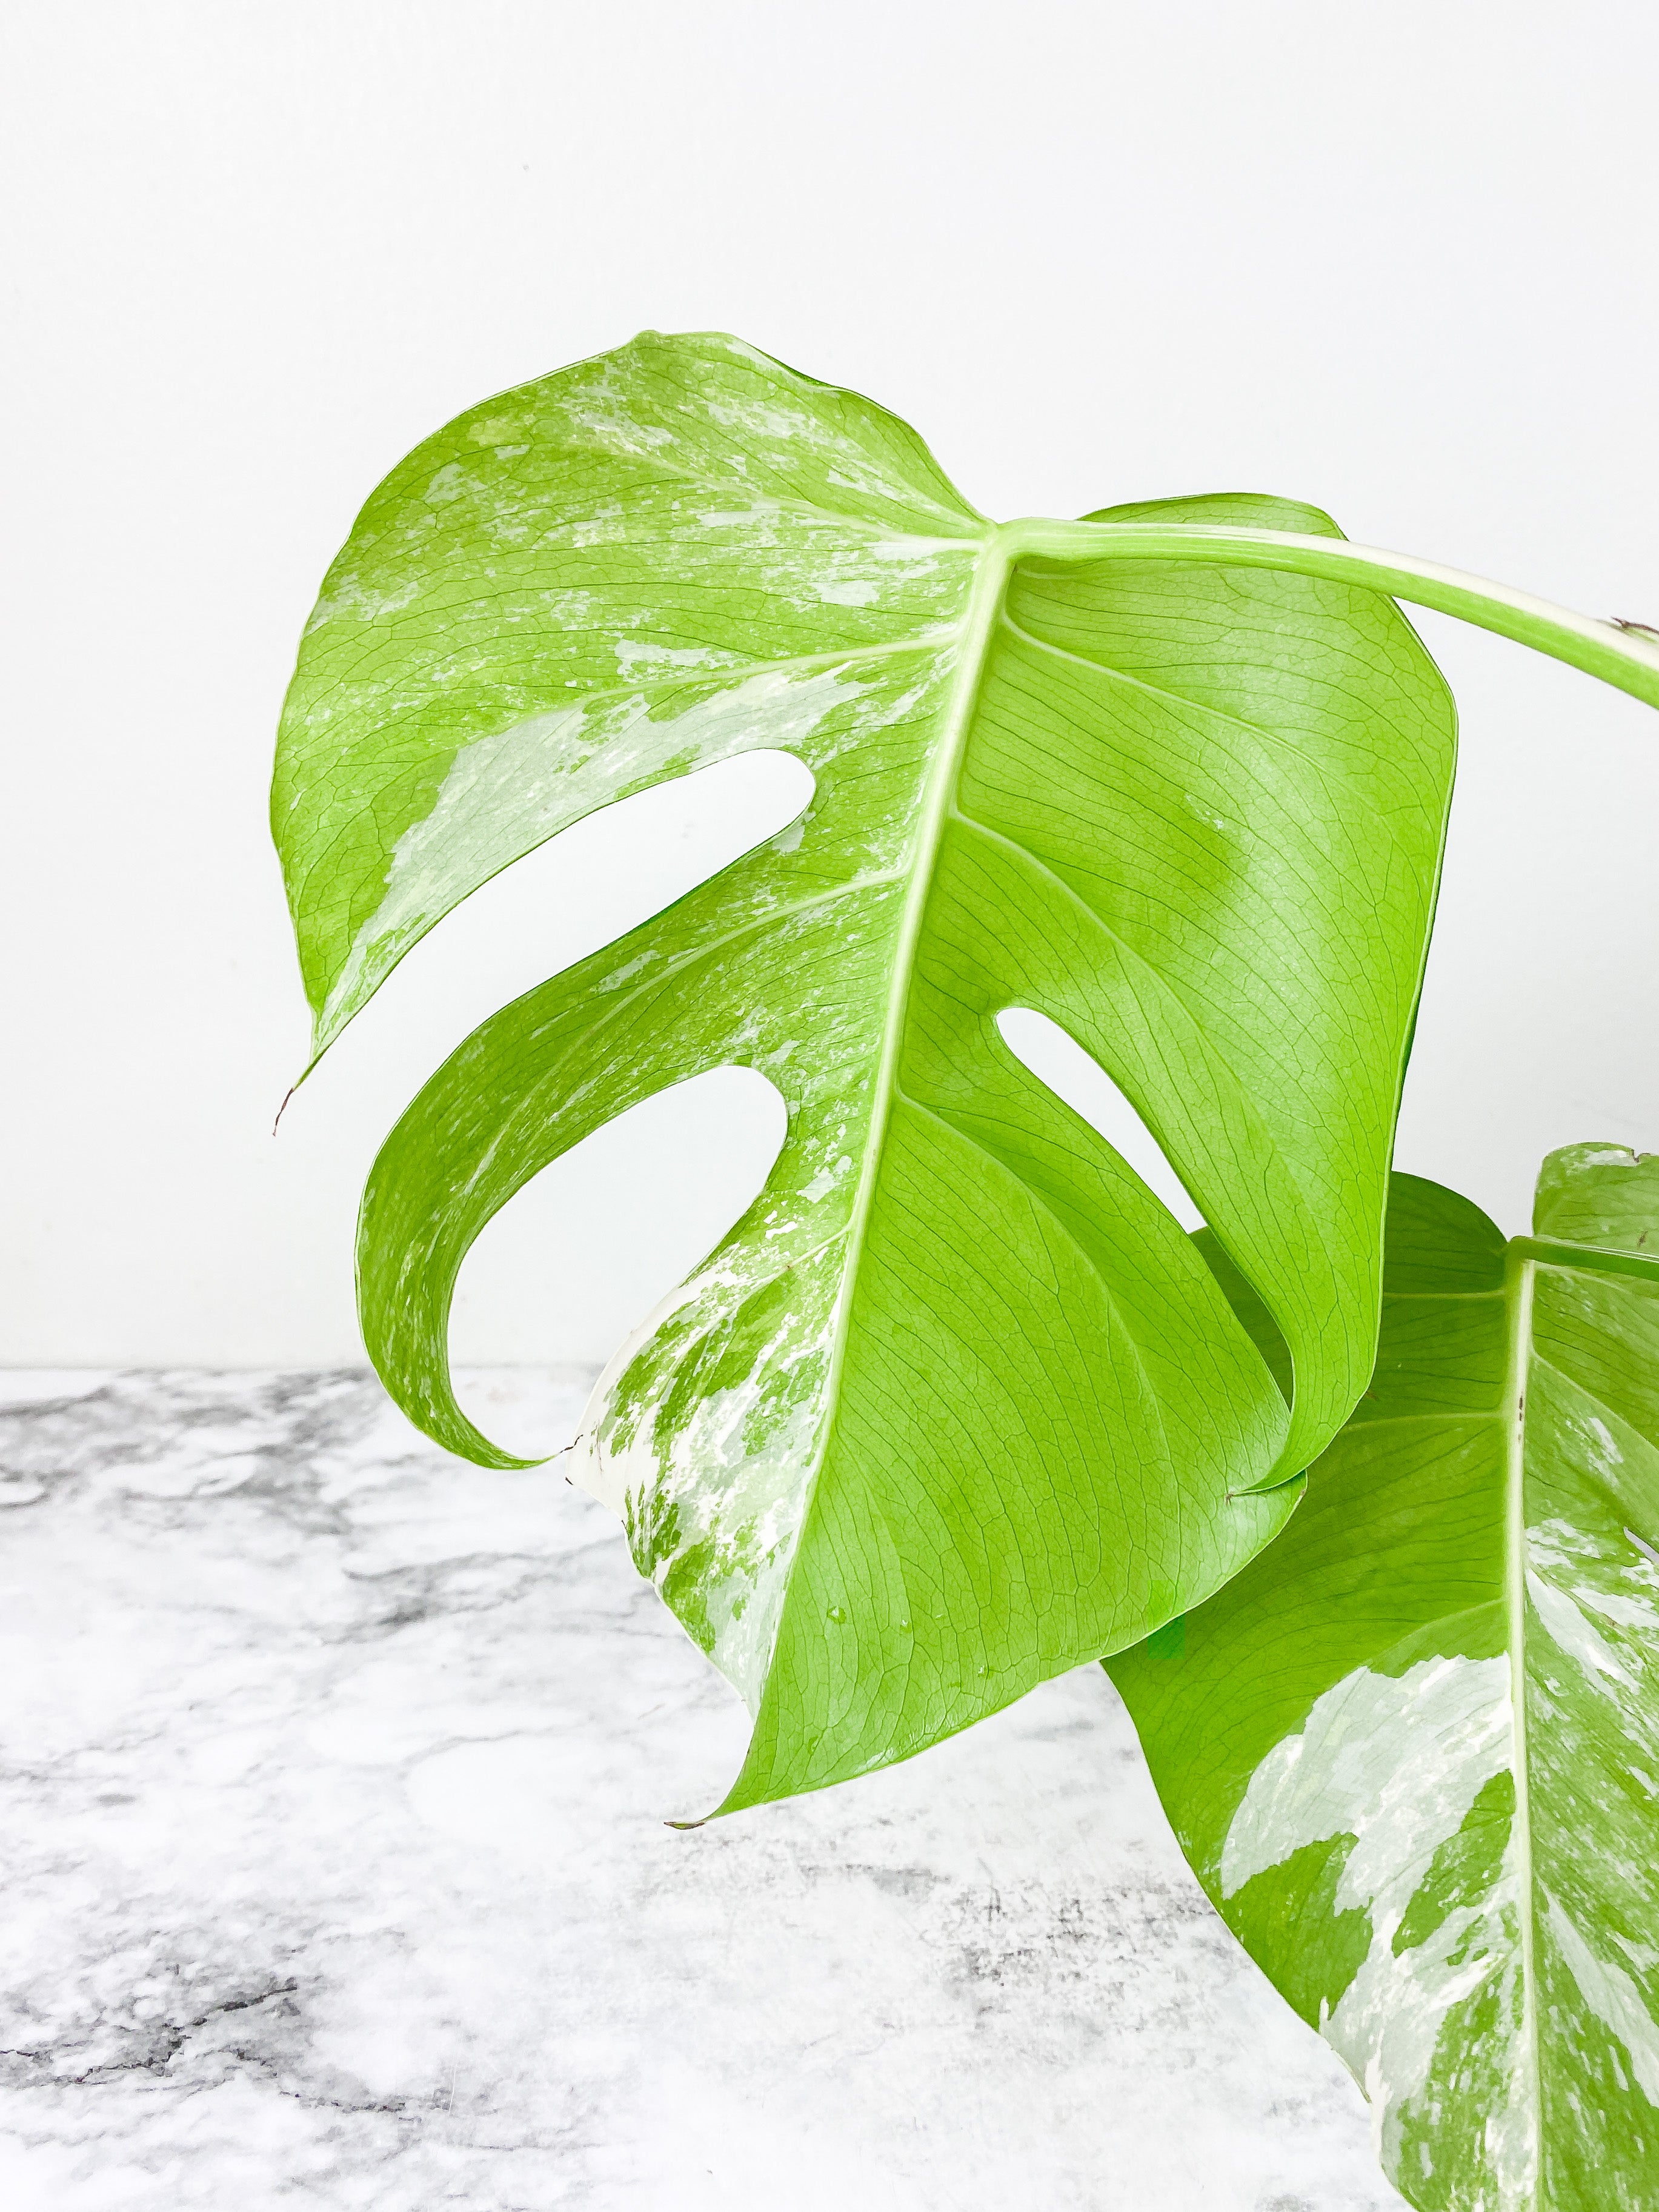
1626,659
1600,1259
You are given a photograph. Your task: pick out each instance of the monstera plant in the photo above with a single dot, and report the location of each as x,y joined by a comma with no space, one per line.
957,1404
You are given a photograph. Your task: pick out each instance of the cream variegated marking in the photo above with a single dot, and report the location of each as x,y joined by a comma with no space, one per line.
505,794
1396,1765
713,1503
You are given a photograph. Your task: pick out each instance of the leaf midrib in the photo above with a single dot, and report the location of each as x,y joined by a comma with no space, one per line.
1520,1274
1524,1257
979,619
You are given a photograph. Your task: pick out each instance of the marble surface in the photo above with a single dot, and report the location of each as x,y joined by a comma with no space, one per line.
336,1877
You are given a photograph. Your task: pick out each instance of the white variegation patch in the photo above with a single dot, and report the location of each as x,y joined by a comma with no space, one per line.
505,794
1396,1762
1569,1559
1616,2001
734,1470
1573,1635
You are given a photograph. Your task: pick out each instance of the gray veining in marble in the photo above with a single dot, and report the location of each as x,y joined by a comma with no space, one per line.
337,1875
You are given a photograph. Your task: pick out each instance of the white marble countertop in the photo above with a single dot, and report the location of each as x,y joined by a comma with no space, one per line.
337,1875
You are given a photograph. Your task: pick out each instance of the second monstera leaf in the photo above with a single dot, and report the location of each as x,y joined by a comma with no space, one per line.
1412,1752
956,1405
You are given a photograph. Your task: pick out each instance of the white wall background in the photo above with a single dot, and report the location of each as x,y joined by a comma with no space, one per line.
1395,259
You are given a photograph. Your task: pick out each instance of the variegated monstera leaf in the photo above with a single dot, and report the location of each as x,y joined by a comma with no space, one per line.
956,1405
1412,1752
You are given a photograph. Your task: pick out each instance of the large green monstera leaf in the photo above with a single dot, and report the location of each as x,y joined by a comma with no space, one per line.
956,1405
1412,1752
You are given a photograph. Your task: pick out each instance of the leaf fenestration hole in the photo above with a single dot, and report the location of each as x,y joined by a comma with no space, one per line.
584,1251
1078,1080
589,1246
582,888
